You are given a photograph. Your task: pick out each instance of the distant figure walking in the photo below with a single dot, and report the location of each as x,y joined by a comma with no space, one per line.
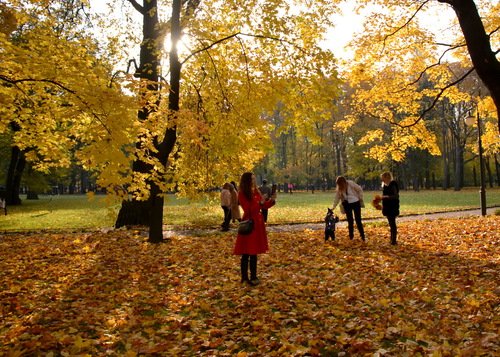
3,206
390,203
225,202
3,202
350,194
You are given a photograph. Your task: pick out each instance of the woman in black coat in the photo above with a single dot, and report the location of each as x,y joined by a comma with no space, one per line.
390,203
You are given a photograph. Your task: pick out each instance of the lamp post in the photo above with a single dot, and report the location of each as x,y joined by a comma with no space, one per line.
482,193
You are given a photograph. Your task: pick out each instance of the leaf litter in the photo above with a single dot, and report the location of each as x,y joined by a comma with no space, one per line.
112,293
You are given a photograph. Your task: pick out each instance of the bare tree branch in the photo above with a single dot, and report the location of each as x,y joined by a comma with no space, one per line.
246,64
441,92
428,109
218,79
15,82
224,39
191,6
130,62
434,102
406,23
136,6
495,30
438,63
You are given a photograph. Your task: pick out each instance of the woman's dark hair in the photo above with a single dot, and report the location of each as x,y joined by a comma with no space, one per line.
341,184
246,183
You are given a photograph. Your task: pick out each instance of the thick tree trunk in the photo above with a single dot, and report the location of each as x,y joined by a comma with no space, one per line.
14,175
133,213
136,212
151,213
479,47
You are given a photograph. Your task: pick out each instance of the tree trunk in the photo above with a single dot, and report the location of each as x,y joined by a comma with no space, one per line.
14,175
497,169
72,182
133,213
479,47
446,161
168,143
488,170
338,157
149,70
459,167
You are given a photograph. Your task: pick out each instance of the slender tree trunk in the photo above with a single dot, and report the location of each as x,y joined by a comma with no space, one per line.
427,175
14,175
338,157
459,167
497,169
488,170
72,183
445,155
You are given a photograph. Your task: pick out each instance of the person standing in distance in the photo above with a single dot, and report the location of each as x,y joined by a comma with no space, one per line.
235,207
390,203
254,243
265,190
350,194
225,202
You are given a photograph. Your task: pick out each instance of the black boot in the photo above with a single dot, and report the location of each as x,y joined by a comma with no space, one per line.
393,239
253,271
244,268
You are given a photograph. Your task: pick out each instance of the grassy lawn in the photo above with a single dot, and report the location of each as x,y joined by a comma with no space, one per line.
78,212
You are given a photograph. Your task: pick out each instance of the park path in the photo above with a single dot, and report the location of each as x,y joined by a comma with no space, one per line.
413,217
297,227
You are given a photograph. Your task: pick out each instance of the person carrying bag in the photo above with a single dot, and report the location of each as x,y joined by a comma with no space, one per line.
255,242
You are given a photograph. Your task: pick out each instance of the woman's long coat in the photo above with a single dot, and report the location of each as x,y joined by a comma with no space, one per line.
255,242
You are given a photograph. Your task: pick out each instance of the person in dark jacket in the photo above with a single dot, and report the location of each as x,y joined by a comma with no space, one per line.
390,203
266,192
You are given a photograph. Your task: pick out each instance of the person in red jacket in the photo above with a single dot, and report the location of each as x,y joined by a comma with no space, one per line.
250,245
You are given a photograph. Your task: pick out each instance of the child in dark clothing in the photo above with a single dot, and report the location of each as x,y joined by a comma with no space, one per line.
390,203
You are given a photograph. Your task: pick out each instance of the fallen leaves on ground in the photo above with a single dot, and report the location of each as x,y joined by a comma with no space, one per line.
436,293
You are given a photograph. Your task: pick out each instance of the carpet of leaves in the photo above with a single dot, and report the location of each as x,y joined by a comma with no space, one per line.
111,293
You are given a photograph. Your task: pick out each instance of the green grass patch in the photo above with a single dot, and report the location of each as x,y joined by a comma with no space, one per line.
60,212
80,212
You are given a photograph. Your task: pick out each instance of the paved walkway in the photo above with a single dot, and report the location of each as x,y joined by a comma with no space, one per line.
413,217
320,226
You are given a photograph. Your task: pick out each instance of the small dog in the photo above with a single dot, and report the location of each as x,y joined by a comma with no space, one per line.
330,220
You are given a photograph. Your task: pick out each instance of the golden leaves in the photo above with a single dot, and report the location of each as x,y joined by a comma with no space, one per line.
96,293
